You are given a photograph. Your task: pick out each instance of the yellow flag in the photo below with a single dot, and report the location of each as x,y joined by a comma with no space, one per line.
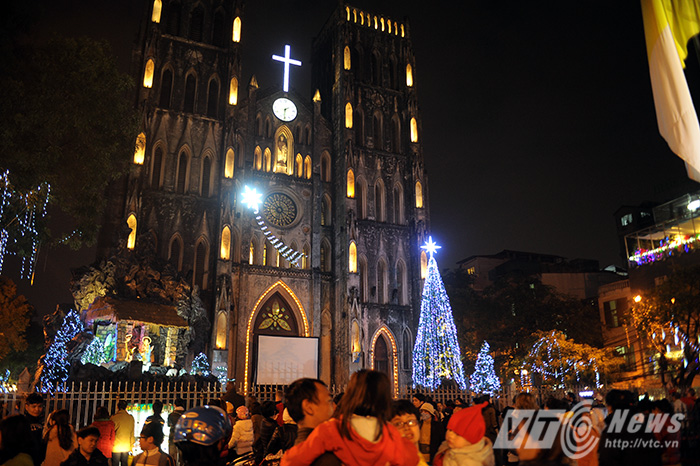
668,25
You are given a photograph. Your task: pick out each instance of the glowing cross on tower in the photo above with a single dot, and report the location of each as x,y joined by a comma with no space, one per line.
287,61
431,246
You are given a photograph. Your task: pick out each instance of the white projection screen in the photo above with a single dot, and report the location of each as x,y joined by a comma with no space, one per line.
282,360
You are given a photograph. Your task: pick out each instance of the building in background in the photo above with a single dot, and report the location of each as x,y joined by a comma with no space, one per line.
655,238
578,278
341,176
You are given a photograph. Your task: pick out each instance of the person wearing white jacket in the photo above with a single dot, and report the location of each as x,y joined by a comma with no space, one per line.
243,435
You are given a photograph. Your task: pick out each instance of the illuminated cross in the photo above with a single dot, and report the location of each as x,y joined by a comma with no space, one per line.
287,61
431,246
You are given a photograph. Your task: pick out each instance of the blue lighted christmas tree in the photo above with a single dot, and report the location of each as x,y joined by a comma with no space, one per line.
436,354
200,365
484,379
55,361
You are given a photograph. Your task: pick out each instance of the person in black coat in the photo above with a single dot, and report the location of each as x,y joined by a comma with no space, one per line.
267,429
87,453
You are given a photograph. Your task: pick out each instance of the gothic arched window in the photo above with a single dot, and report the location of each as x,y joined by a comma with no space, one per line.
201,265
379,201
325,257
233,92
346,58
381,282
175,252
362,269
157,7
190,93
213,99
225,252
419,195
157,167
172,18
230,163
182,169
236,35
206,177
326,218
197,24
400,283
351,184
325,167
361,196
166,88
307,167
140,149
257,158
148,73
219,35
348,114
352,257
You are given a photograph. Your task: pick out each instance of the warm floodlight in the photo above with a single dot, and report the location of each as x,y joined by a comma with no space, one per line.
251,198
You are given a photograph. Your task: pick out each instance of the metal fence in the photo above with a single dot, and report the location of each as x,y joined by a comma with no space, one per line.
82,399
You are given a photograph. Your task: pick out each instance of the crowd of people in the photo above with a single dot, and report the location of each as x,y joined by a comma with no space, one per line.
306,425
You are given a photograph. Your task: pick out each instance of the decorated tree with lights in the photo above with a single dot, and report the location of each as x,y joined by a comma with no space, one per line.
436,353
54,364
200,365
484,379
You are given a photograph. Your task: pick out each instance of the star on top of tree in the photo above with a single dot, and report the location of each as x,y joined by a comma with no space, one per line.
430,246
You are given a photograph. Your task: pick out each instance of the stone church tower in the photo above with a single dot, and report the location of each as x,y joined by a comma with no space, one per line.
341,178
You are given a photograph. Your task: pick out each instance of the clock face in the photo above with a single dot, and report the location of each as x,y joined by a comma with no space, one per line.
284,109
279,209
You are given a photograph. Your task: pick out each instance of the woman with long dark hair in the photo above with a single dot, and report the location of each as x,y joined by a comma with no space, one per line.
361,434
15,441
60,438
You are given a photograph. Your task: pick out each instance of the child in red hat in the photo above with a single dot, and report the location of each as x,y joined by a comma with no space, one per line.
465,443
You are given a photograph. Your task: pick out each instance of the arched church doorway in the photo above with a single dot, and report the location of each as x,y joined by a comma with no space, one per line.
383,357
277,312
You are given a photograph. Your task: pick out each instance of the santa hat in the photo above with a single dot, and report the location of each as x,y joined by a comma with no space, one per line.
469,423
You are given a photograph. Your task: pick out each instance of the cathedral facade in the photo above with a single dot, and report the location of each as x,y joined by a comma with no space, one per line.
340,175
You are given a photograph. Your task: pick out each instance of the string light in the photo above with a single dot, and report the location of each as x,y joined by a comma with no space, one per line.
436,353
546,358
28,207
666,248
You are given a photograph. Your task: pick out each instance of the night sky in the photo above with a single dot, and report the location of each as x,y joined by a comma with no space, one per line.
538,119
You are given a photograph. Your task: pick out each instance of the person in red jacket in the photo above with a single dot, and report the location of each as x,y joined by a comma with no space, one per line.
105,442
362,434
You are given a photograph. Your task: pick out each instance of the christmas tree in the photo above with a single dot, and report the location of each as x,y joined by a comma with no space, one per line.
201,365
436,354
94,353
55,361
484,379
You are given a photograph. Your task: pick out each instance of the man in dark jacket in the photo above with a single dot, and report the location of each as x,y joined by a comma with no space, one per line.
233,397
87,453
267,429
34,413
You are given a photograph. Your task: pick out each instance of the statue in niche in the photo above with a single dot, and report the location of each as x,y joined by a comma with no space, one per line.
281,159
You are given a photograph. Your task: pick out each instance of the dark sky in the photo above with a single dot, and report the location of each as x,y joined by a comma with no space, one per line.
538,118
